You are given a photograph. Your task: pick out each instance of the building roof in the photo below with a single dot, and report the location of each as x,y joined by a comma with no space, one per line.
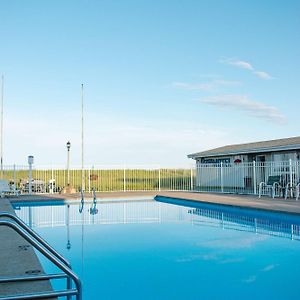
292,143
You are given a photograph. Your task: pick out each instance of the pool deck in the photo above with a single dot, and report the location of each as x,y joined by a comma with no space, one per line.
243,201
87,196
17,257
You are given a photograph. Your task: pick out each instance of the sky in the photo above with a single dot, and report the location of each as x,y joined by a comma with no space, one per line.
162,79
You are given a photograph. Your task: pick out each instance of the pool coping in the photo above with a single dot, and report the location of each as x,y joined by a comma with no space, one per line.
242,201
279,205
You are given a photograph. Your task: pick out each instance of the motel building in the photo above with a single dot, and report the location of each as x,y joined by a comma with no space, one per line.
241,168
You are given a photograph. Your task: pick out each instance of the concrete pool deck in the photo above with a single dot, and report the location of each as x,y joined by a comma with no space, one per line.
15,260
243,201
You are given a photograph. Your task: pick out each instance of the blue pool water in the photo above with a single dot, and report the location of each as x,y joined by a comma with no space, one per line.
149,249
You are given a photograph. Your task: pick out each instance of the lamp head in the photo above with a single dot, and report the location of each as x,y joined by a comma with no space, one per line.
30,159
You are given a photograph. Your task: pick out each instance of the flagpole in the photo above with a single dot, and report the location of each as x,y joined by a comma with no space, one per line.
1,140
82,143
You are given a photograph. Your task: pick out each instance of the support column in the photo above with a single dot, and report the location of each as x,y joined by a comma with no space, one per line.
159,187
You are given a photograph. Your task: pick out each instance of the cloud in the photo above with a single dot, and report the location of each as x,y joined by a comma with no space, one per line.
190,86
247,66
263,75
109,140
232,260
252,108
205,86
226,82
250,279
241,64
192,258
237,243
268,268
213,257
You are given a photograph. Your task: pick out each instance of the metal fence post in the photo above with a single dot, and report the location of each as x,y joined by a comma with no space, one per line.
64,176
124,179
222,183
30,162
192,183
89,180
254,178
291,177
197,177
15,179
159,179
52,180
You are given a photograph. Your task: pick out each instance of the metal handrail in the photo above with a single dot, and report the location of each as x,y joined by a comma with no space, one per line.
33,277
35,235
54,259
40,240
42,295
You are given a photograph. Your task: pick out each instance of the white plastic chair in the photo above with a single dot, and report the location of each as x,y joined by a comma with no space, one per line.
6,189
272,184
291,189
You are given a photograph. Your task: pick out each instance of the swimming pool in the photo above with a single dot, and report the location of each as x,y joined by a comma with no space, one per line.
172,249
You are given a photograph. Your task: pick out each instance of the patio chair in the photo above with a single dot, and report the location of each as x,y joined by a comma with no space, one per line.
291,190
273,183
5,189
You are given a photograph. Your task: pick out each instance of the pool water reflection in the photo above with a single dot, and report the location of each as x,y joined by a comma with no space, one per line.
148,249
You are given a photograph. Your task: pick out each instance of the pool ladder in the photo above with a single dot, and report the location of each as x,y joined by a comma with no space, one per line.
94,209
43,247
81,202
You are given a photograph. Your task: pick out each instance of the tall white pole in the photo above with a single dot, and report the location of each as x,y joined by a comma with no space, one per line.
1,141
82,143
68,168
68,162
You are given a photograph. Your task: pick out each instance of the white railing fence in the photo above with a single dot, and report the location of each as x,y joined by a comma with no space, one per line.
244,178
53,180
238,178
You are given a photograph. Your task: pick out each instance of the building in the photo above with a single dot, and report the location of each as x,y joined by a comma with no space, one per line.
240,168
273,150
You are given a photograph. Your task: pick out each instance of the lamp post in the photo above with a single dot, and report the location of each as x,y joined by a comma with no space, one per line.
68,162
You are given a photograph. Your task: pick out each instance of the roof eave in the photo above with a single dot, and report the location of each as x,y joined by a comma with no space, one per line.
246,151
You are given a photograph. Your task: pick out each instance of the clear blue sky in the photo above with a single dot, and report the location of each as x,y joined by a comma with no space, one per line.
162,78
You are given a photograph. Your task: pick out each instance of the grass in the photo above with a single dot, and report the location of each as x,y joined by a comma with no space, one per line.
110,180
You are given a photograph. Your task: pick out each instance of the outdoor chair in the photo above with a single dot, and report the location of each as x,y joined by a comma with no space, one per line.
273,184
291,190
5,189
